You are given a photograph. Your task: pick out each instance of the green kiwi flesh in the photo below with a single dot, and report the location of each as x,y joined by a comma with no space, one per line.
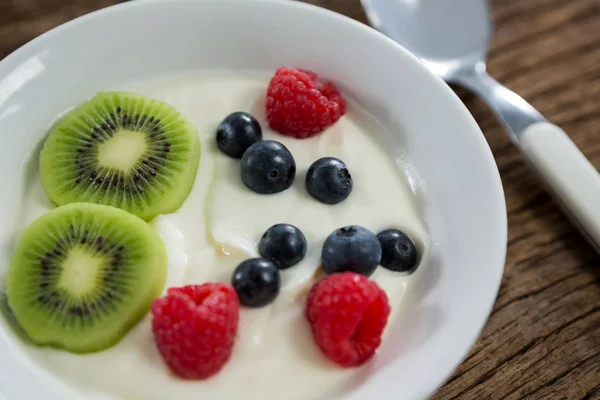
123,150
83,275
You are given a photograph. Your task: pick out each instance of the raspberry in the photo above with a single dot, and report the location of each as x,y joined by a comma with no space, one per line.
347,313
195,327
298,106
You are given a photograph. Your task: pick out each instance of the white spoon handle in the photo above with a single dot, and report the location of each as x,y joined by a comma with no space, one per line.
570,176
568,173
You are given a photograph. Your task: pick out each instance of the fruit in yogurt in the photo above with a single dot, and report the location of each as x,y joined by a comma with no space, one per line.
256,281
84,274
237,132
268,167
284,244
194,328
123,150
351,249
398,251
328,180
299,105
347,314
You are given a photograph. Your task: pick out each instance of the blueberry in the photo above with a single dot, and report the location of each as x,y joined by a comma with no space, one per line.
268,167
284,244
351,248
328,180
399,252
237,132
256,282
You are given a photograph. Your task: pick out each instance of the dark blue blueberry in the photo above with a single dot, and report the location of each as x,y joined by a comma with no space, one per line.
351,248
284,244
256,282
328,180
268,167
237,132
398,251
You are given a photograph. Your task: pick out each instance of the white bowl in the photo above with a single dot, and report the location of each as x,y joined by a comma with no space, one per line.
460,190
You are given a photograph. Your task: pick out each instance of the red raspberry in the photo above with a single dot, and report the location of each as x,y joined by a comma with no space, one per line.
298,106
347,313
195,327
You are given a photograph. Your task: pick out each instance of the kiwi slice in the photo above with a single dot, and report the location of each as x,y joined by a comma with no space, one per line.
123,150
83,275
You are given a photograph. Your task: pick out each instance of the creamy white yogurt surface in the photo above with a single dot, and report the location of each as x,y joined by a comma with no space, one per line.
219,226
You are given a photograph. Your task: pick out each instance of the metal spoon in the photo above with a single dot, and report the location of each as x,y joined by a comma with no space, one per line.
451,38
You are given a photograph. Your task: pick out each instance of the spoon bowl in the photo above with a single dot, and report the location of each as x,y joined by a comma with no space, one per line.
428,29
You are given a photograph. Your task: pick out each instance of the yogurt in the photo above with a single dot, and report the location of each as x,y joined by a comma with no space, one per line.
219,225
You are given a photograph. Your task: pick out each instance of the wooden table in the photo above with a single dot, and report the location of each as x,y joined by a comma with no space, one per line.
542,340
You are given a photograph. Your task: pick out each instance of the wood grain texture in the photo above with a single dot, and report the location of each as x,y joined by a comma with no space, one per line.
542,340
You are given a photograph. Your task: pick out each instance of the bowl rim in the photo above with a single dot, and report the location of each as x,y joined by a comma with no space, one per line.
15,58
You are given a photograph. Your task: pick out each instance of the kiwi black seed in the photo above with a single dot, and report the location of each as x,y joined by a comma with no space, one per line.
123,150
83,275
